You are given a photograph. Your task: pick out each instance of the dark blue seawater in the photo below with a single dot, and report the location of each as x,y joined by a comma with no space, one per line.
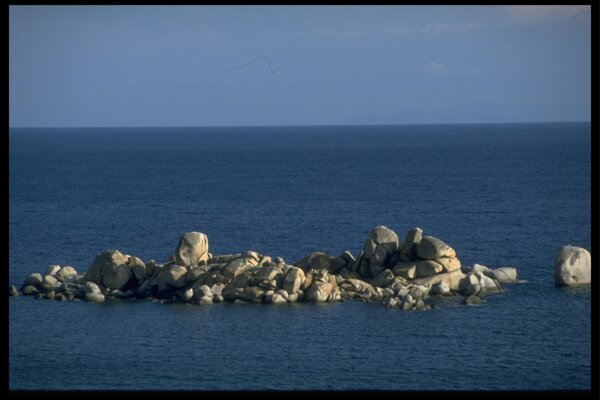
505,194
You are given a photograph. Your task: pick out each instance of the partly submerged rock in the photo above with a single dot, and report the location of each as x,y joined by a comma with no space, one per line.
503,274
12,291
573,267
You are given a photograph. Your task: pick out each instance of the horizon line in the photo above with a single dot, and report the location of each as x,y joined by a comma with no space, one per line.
290,125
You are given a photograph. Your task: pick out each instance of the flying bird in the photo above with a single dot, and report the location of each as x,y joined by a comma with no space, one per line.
252,62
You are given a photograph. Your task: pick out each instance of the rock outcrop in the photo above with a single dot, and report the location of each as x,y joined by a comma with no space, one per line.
405,276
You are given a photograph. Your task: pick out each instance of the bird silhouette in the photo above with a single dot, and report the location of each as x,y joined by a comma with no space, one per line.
273,71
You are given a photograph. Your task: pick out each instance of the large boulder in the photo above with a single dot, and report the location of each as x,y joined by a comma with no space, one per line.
359,287
275,298
293,280
405,269
430,248
383,279
475,281
427,268
52,269
138,269
440,288
469,285
117,276
573,267
235,267
448,263
320,292
110,269
49,282
252,294
192,249
176,276
93,293
34,280
411,241
377,251
344,260
503,274
451,279
316,259
66,274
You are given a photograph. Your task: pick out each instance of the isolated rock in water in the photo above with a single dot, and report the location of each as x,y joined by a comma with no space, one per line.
431,248
412,239
503,274
67,274
192,249
573,266
381,243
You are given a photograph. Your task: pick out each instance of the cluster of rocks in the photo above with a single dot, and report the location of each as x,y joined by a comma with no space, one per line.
399,274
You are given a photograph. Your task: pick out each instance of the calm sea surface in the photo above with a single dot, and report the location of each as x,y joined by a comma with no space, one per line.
505,194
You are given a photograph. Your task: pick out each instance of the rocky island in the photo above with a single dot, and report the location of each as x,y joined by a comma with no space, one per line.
399,274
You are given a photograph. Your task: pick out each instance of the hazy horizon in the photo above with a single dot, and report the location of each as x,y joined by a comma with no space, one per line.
299,125
209,66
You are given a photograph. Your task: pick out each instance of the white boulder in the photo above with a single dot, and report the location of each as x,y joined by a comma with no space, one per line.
573,267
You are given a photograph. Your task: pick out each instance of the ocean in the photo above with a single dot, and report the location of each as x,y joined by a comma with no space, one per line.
499,194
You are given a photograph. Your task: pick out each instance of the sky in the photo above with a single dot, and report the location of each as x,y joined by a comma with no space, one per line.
313,65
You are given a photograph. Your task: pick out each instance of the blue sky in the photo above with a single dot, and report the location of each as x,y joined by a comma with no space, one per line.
164,65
